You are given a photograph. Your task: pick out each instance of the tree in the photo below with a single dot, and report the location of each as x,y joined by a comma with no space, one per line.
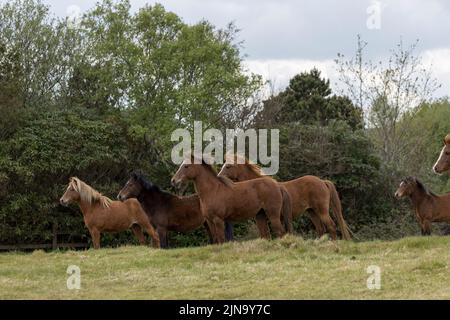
46,47
10,103
101,98
386,91
308,99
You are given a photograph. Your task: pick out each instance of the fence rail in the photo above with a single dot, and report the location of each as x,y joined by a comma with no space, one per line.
53,246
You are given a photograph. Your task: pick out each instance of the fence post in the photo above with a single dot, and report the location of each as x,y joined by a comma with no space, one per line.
55,236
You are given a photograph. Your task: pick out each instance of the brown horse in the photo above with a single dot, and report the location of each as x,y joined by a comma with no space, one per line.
101,214
167,212
429,206
308,193
223,200
443,163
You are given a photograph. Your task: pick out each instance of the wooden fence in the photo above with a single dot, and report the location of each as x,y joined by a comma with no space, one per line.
53,245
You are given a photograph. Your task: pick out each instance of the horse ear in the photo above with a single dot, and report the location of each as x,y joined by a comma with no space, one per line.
74,180
447,140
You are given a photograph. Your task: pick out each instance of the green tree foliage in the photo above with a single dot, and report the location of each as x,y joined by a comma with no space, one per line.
100,99
343,155
166,71
308,99
10,103
38,160
427,125
45,49
322,134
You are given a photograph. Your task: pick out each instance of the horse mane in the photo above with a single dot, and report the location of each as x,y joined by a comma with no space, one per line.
146,184
89,194
226,181
424,188
238,158
421,186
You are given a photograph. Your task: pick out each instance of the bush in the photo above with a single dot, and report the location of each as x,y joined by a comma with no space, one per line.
347,158
37,161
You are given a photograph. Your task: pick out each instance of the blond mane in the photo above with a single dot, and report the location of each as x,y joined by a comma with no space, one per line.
226,181
235,158
89,194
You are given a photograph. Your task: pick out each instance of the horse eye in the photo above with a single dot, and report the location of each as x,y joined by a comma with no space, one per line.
447,153
185,166
228,166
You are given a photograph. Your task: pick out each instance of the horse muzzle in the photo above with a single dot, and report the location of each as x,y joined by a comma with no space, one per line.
437,170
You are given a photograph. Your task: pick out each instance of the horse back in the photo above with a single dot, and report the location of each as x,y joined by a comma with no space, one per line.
184,214
307,191
133,206
253,193
442,212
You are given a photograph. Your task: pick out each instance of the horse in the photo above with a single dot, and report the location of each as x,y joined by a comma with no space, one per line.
167,212
307,193
101,214
443,162
223,200
429,207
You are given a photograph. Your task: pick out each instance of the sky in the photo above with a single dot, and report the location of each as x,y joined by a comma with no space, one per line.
284,37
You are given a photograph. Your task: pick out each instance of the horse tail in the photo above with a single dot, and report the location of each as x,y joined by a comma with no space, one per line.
336,209
229,231
286,210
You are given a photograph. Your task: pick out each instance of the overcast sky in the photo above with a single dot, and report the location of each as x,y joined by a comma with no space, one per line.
284,37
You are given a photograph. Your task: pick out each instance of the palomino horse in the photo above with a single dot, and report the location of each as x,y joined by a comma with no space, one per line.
306,193
443,163
429,206
223,200
101,214
167,212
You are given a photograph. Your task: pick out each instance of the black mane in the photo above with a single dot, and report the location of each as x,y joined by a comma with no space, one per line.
420,185
145,183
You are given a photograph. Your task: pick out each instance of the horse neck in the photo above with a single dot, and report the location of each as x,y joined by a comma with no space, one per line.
419,196
248,174
153,198
205,182
85,207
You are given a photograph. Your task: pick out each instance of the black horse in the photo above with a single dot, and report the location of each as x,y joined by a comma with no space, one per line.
167,212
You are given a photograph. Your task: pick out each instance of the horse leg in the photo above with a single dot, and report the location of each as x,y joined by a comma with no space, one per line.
220,230
208,231
275,222
315,219
261,223
162,234
151,232
328,222
95,234
137,230
229,232
426,228
212,230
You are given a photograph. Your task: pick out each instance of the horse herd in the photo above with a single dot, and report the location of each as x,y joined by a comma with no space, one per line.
238,192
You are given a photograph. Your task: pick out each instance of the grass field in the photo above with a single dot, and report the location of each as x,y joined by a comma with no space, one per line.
289,268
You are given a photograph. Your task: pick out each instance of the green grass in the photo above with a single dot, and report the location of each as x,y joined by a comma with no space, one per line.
289,268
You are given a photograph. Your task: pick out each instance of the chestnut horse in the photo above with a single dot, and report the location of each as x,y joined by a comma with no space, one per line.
101,214
308,193
429,207
223,200
167,212
443,163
